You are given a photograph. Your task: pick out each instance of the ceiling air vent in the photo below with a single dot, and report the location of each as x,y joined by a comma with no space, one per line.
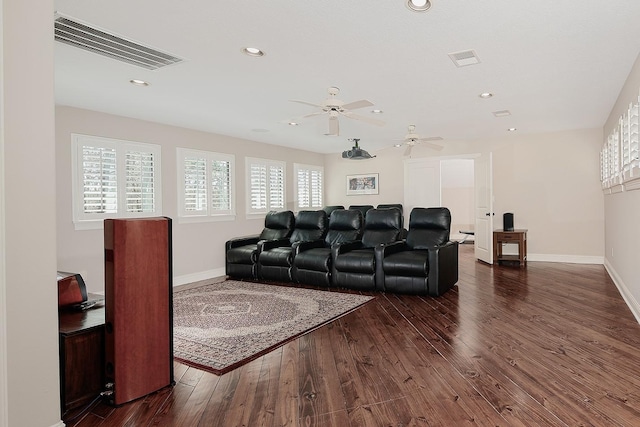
464,58
80,35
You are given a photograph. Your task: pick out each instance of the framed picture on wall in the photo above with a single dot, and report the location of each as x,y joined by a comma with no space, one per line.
363,184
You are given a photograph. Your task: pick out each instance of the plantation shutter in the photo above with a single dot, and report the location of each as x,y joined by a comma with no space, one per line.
258,186
221,186
316,189
140,178
195,184
276,187
304,194
309,186
99,176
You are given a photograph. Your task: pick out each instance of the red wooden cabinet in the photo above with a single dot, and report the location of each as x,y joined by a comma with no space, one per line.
138,307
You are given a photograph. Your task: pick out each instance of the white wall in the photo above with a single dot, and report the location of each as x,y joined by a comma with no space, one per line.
458,192
622,221
30,388
198,248
549,181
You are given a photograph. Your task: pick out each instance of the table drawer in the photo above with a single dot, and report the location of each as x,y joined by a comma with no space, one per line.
508,237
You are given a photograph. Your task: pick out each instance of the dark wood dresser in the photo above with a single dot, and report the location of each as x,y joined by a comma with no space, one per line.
81,335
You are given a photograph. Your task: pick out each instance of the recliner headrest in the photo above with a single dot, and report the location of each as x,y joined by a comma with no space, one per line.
428,227
345,220
279,220
380,219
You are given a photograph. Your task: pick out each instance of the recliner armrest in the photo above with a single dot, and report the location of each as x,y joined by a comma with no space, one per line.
392,248
443,268
242,241
306,245
343,247
265,245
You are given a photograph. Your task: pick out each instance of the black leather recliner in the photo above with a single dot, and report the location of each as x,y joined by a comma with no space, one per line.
312,260
241,253
426,263
397,206
275,257
362,208
330,208
354,263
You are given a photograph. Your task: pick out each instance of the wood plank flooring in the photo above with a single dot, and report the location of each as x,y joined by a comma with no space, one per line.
547,345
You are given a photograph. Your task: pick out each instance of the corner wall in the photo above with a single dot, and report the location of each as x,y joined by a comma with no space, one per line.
198,248
622,222
551,182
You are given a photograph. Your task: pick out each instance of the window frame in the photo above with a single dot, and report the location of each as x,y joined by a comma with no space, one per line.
209,214
253,213
297,168
91,221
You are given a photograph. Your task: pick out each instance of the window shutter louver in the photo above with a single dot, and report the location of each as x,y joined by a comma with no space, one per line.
276,187
309,182
207,187
114,179
140,178
195,184
221,186
258,187
99,175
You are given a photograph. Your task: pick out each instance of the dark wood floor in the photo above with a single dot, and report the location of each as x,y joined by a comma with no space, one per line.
546,345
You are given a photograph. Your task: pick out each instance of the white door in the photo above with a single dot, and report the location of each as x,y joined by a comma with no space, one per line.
421,185
484,208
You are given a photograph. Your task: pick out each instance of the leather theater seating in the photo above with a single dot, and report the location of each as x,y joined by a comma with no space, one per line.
275,257
426,263
362,208
331,208
354,263
241,253
312,260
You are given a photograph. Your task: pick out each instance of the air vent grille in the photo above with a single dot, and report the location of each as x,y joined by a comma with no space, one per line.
502,113
82,36
464,58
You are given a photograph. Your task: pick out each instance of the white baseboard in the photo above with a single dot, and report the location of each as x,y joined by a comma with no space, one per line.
59,424
196,277
571,259
628,297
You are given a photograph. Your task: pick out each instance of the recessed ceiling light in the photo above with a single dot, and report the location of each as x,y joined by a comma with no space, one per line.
418,5
486,95
252,51
293,123
397,145
376,111
512,129
138,82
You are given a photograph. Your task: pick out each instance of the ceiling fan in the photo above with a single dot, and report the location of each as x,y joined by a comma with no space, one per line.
412,138
334,108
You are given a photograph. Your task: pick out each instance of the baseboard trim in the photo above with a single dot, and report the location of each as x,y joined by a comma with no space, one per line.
571,259
196,277
628,297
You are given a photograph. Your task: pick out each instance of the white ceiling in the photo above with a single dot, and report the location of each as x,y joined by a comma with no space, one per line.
556,65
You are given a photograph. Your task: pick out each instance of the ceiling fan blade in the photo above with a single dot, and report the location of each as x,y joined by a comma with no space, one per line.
317,113
363,119
306,103
334,126
357,104
407,152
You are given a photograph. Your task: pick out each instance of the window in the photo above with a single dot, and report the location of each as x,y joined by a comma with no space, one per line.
206,185
309,186
114,179
265,185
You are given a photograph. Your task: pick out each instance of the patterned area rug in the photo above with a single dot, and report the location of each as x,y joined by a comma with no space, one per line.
220,326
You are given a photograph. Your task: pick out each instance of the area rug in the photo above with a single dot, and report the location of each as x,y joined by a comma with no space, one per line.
220,326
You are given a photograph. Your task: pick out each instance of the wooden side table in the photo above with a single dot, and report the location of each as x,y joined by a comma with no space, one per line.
518,237
81,356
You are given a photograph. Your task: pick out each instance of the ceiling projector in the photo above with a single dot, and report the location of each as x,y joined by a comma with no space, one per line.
356,153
